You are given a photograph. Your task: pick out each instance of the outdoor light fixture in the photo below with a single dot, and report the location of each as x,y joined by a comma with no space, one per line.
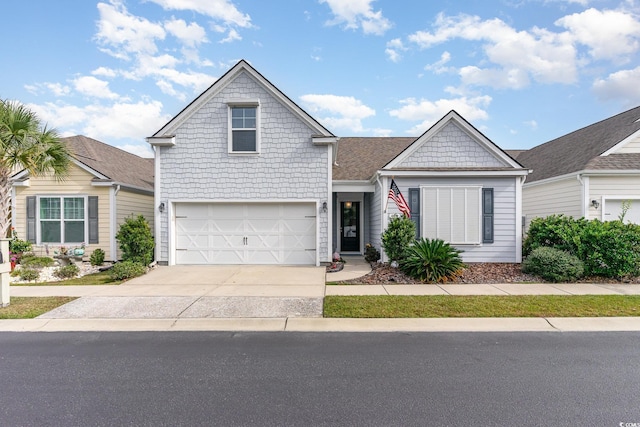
347,205
595,203
324,207
161,207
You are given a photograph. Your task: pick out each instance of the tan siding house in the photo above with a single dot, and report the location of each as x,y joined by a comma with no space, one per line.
590,173
104,186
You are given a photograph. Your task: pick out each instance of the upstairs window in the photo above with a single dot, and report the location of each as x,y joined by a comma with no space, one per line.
244,127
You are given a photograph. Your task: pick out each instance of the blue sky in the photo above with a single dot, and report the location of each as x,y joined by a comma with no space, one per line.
521,71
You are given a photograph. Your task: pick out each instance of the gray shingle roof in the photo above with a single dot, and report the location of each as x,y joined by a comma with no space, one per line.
360,157
116,164
579,150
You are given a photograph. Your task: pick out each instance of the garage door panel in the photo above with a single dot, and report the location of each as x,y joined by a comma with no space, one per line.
613,210
245,233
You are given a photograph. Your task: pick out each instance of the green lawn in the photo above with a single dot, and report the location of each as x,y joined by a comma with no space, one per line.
101,278
30,307
389,306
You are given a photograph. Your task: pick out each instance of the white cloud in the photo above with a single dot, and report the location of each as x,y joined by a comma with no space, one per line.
439,67
532,124
394,47
343,112
223,10
356,14
94,87
622,85
609,34
142,149
57,89
123,33
104,72
189,34
232,36
429,112
513,78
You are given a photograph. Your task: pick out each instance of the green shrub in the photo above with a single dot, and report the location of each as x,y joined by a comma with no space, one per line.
611,249
18,246
432,261
127,270
67,271
97,257
371,254
557,231
553,265
399,234
136,241
36,261
28,274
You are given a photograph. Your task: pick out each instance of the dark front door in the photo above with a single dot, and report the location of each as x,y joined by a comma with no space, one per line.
350,227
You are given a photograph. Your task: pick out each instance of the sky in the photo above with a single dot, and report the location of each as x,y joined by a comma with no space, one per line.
521,71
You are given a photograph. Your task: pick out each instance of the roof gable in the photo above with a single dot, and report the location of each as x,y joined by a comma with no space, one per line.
452,143
580,149
241,67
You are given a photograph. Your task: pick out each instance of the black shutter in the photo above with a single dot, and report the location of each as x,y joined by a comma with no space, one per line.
487,215
31,219
414,206
93,219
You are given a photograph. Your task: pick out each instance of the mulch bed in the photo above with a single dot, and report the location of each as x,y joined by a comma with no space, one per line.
474,273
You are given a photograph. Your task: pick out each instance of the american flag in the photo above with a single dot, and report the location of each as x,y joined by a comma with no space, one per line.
396,196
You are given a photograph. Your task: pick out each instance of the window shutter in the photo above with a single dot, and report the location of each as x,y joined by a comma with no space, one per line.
487,215
93,219
31,219
414,206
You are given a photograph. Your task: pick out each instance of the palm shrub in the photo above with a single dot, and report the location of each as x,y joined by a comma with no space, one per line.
135,240
399,234
553,264
432,261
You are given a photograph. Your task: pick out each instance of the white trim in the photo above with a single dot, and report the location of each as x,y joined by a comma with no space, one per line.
14,207
329,212
585,193
113,224
24,172
157,220
230,128
384,220
121,185
161,141
622,143
324,140
584,172
22,183
172,223
518,218
353,186
449,173
350,197
62,197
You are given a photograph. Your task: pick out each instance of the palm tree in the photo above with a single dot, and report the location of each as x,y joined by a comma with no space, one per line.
25,143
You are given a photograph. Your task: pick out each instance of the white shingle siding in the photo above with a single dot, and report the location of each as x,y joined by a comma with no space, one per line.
288,166
503,248
556,197
451,147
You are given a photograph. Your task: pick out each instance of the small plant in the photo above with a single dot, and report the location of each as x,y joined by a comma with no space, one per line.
626,205
97,257
18,246
127,270
136,241
36,261
432,261
399,234
67,271
28,274
371,254
553,265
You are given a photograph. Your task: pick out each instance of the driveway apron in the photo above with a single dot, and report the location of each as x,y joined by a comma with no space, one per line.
206,292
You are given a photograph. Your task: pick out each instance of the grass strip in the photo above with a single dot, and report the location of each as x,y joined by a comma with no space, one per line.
432,306
101,278
30,307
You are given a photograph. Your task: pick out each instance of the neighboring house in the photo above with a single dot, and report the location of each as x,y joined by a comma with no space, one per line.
105,185
588,173
245,176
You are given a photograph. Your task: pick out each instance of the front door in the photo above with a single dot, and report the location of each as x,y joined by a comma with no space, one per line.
350,227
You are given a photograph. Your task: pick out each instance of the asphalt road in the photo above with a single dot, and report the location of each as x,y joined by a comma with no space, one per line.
306,379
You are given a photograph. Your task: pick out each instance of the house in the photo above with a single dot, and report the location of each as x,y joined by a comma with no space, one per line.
245,176
104,186
588,173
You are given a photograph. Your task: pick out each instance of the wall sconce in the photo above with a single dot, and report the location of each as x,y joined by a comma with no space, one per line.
595,203
161,207
324,207
347,205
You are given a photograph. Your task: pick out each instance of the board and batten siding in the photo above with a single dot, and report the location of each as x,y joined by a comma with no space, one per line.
612,187
130,204
503,248
77,183
288,168
540,200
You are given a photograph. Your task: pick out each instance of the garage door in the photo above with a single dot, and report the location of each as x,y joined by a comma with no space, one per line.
613,210
245,233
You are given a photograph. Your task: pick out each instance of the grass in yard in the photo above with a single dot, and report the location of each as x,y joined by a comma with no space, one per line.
30,307
101,278
388,306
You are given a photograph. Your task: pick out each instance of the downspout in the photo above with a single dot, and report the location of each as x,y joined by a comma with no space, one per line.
583,195
114,222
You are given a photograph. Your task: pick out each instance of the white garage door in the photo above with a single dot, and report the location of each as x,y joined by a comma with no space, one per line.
613,210
245,233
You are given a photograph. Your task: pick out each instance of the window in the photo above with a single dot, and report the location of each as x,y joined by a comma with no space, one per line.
244,125
453,214
62,219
